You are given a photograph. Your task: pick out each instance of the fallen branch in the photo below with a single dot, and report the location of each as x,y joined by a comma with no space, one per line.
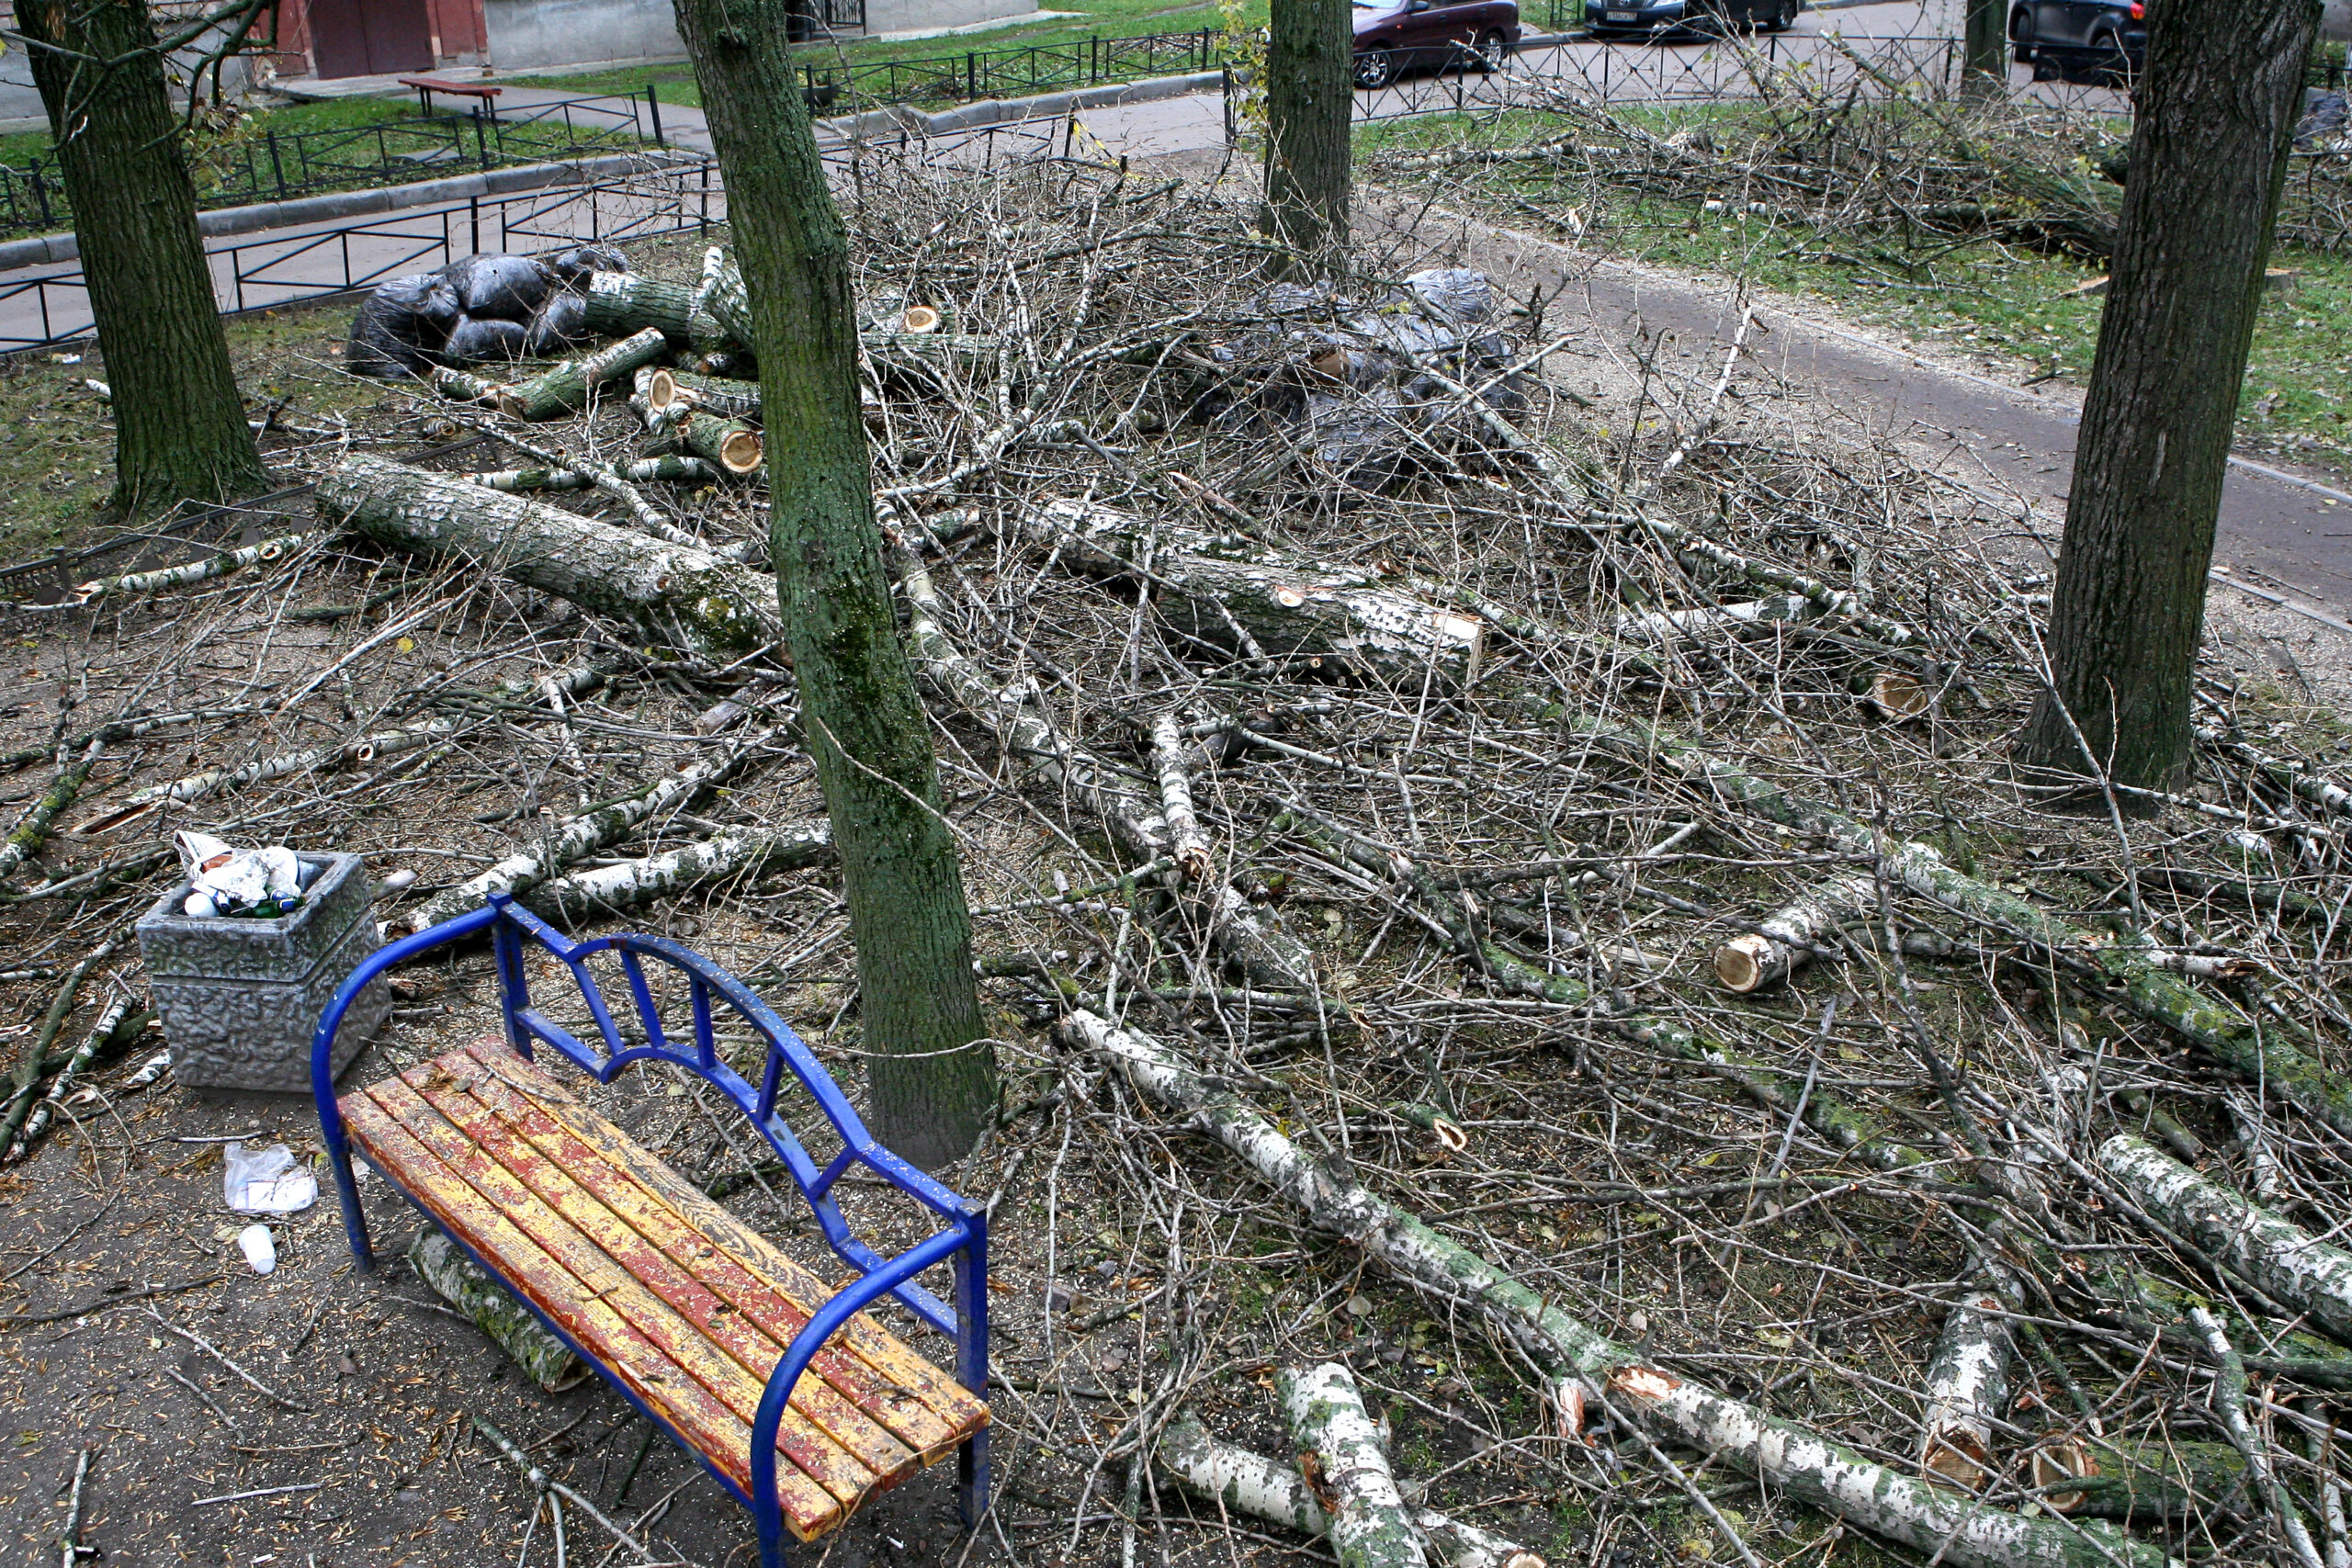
569,385
31,830
486,1304
1340,1457
267,551
1968,1388
674,595
584,895
1782,942
1576,1359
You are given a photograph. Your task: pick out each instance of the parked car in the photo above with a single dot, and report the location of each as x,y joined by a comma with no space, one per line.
1656,18
2105,39
1393,35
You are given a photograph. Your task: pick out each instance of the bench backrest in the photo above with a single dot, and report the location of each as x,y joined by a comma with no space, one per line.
712,992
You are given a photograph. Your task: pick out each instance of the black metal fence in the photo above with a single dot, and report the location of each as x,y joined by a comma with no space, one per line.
1009,73
274,166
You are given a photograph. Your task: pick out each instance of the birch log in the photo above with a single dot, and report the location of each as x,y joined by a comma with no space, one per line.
1187,843
575,837
1784,942
1576,1359
715,394
642,470
2273,1254
1968,1388
1680,626
31,831
1251,1484
196,786
1235,594
673,594
721,296
740,852
569,385
1346,1469
1254,939
621,303
2159,1478
265,553
2264,1050
479,1298
736,447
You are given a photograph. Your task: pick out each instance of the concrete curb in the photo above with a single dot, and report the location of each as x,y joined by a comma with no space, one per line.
46,250
899,119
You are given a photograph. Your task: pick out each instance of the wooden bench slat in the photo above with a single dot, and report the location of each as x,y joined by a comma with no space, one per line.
801,1441
587,1307
922,1405
753,1343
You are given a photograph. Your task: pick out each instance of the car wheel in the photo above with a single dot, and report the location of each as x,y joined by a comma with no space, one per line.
2110,64
1494,49
1376,68
1784,18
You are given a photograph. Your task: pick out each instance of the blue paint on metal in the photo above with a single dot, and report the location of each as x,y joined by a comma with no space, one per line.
962,1242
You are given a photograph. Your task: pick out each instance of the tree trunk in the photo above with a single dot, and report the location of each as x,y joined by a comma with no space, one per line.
932,1083
1310,53
180,430
1984,50
2216,120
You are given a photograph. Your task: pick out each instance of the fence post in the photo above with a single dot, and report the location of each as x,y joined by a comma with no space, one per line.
278,166
473,211
653,107
1225,94
41,195
972,76
481,138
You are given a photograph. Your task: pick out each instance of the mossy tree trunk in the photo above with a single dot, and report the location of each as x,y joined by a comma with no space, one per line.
180,430
2217,114
932,1083
1984,50
1310,53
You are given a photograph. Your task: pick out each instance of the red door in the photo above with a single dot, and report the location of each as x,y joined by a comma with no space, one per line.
369,37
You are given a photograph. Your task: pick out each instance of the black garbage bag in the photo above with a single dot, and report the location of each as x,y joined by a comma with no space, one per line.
572,266
562,323
509,287
477,338
401,327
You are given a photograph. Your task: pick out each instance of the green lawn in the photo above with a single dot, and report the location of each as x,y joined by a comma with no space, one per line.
2010,301
1103,18
337,144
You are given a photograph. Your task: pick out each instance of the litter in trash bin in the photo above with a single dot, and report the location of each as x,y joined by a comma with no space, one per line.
261,884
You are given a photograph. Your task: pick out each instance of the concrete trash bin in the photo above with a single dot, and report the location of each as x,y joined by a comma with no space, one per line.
239,998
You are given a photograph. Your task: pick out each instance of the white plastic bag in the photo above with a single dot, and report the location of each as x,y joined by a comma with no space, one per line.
231,880
267,1181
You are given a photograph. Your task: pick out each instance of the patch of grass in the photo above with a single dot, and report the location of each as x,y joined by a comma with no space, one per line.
2007,302
675,82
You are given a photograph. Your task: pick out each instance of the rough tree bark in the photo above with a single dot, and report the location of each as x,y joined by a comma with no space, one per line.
933,1082
179,425
1984,50
2217,114
1310,53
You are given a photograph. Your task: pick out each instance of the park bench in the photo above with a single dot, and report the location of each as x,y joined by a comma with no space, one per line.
700,1321
427,86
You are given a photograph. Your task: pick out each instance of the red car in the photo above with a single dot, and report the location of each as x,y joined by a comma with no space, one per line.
1393,35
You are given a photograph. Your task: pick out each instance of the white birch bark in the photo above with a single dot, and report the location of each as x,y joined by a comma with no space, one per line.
1254,940
282,547
575,837
1677,626
1783,945
2266,1051
196,786
2272,1253
1344,1466
586,894
1187,843
1578,1360
1968,1388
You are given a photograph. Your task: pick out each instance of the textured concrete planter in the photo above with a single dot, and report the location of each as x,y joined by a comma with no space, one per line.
239,998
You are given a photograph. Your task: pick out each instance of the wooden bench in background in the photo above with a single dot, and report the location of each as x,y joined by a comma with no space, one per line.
701,1323
426,86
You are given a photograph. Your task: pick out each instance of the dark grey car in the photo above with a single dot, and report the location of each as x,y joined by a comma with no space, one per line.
2106,40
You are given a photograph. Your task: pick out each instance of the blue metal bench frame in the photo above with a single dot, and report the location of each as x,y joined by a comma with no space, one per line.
964,1240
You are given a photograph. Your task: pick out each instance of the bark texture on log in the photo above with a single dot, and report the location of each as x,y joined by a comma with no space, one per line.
1310,55
727,398
1576,1358
1236,594
2266,1052
1968,1390
2273,1254
569,386
685,598
1345,1467
494,1311
584,895
1755,959
264,553
625,303
2214,125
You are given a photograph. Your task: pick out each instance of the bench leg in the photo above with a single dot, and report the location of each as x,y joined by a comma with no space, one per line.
971,1267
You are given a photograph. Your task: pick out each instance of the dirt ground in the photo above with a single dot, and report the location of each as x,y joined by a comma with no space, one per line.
1136,1268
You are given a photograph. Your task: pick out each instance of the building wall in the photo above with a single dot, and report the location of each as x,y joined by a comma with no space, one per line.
529,35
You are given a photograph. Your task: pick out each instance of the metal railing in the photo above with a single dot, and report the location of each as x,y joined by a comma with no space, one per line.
274,166
674,198
1008,73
